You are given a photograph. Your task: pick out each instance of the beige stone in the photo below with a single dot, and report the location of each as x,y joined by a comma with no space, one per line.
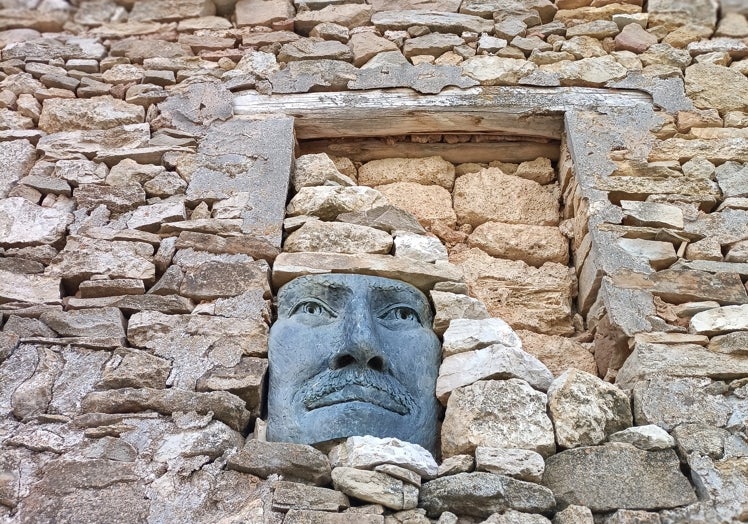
534,245
660,255
492,70
34,289
429,204
558,353
705,85
538,299
317,170
492,195
24,223
432,170
262,12
104,112
327,202
365,46
451,306
338,237
375,487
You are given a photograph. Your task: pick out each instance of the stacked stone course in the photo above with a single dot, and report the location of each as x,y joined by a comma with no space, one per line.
592,305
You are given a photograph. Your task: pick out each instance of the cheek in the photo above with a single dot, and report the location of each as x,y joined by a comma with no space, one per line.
297,349
414,355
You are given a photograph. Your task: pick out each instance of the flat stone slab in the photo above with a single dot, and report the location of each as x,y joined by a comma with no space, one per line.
436,21
419,274
679,286
35,289
618,476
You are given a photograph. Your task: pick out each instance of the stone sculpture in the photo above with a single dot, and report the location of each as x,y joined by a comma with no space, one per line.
352,355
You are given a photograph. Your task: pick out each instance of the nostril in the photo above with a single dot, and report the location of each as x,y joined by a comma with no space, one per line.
343,361
376,363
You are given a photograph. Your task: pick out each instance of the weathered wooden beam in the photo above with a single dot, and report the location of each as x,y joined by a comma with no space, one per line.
365,150
518,111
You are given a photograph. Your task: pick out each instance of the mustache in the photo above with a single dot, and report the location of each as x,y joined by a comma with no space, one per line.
346,385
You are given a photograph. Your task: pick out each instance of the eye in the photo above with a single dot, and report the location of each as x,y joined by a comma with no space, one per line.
401,314
313,308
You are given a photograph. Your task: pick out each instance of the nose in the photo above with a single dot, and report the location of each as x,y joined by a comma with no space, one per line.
361,346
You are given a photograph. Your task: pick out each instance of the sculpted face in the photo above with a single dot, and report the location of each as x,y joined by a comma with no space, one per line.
352,355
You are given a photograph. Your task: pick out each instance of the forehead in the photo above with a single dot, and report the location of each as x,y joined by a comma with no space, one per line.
341,287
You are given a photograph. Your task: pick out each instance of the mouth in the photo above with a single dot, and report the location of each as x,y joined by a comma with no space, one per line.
338,387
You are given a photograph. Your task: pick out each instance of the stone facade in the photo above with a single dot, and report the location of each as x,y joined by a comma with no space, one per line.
586,262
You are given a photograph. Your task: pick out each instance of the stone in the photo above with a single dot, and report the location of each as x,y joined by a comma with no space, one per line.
215,279
84,257
225,407
171,10
423,77
430,204
491,70
235,244
327,202
720,320
521,464
648,437
450,306
317,170
732,178
104,112
365,46
150,217
493,362
424,248
481,494
407,476
367,452
103,323
438,22
585,410
701,438
506,287
678,360
34,289
290,495
310,49
659,255
337,237
499,414
651,214
422,275
573,514
456,464
23,223
464,334
17,157
534,245
687,285
722,482
702,86
669,402
299,516
558,353
434,44
131,368
375,487
363,384
347,15
492,195
117,199
294,462
630,478
432,170
634,38
733,343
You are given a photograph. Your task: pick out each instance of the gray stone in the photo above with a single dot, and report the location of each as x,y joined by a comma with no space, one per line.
375,487
434,44
317,170
573,514
722,482
618,476
498,414
363,383
424,78
732,178
521,464
104,322
733,343
252,156
246,380
669,402
23,223
585,410
350,15
367,452
60,114
456,464
387,218
294,462
496,361
313,49
290,495
212,280
451,306
17,157
337,237
117,199
34,289
327,202
648,438
131,368
720,320
313,75
300,516
493,70
434,20
700,438
423,248
702,86
481,494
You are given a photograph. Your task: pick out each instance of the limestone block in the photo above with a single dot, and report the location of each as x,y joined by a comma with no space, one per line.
433,170
150,217
104,322
349,15
23,223
521,464
171,10
465,334
438,22
311,49
534,245
424,248
262,12
631,478
499,414
651,214
338,237
365,46
558,353
292,495
703,83
327,202
117,199
295,462
574,514
660,255
648,437
375,487
304,516
387,218
456,464
720,320
367,452
492,195
434,44
429,204
17,157
733,343
493,362
105,112
132,368
317,170
732,178
491,70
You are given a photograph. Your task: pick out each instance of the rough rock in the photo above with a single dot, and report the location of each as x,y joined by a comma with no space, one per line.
34,289
432,170
573,514
317,170
464,334
327,202
451,306
617,476
648,438
367,452
481,494
375,487
703,83
311,49
17,157
103,323
365,46
424,248
558,353
170,10
106,112
428,203
387,218
23,223
499,414
337,237
436,21
521,464
290,495
493,362
495,71
534,245
347,15
131,368
720,320
294,462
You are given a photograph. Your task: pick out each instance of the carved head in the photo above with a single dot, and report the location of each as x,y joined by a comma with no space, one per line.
352,355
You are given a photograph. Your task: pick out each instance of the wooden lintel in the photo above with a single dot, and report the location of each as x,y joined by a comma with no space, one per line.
365,150
518,111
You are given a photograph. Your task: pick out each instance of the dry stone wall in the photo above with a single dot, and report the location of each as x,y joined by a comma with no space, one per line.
592,304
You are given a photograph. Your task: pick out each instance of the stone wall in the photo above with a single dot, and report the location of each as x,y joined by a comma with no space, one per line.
592,305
